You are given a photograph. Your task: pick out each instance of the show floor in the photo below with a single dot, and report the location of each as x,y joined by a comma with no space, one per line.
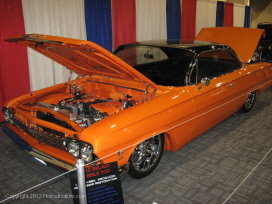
231,163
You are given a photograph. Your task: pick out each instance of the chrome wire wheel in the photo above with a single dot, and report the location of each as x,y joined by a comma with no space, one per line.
249,101
146,156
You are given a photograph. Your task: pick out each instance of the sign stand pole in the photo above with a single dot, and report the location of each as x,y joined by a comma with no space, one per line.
81,182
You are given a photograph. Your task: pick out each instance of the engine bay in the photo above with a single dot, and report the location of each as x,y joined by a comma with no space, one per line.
85,112
85,102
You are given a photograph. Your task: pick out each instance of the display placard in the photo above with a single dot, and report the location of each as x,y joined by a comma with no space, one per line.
102,184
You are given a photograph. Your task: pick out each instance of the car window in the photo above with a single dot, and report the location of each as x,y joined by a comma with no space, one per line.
214,64
135,55
164,66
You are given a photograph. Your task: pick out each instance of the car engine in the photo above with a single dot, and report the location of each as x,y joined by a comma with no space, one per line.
83,112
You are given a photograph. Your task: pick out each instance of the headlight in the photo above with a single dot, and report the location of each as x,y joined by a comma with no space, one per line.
79,149
8,115
86,152
73,148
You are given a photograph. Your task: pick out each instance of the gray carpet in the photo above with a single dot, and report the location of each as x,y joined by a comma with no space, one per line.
231,163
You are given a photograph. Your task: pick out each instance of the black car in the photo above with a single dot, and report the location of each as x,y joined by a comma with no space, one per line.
265,43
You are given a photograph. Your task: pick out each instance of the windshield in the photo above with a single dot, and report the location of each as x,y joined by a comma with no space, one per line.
164,66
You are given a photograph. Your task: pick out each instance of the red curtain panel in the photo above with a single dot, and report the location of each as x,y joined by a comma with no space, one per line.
14,75
188,19
228,15
123,22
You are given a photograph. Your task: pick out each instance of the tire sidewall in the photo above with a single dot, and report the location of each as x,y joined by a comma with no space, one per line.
245,108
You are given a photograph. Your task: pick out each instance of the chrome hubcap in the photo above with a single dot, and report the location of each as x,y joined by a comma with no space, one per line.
146,154
250,99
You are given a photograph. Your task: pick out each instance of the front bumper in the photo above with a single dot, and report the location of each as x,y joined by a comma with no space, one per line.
35,152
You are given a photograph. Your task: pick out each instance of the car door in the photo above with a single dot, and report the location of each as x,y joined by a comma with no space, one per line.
213,102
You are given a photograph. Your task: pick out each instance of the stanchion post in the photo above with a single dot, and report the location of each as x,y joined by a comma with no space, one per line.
81,181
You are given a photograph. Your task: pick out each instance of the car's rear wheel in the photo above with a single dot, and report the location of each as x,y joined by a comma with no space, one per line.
249,101
146,156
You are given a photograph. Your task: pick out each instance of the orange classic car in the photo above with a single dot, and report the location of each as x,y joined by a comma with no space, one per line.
131,105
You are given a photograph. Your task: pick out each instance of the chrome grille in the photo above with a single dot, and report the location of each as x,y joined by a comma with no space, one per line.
54,140
47,138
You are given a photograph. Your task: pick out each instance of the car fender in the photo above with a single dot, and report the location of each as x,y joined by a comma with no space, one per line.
125,130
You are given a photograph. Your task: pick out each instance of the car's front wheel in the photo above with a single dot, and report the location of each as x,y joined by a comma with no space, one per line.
249,101
146,156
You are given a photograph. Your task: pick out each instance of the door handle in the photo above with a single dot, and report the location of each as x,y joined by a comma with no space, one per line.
231,85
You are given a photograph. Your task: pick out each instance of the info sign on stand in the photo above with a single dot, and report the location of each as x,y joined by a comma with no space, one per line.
103,184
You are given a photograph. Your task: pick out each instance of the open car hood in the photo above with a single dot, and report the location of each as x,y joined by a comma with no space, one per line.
243,41
80,56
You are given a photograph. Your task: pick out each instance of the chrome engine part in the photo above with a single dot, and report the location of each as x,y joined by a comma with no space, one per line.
66,112
80,112
84,113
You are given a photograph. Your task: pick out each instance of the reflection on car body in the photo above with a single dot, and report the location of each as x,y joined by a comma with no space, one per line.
131,106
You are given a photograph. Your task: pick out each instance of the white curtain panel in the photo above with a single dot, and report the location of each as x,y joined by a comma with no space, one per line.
238,15
150,19
55,17
205,14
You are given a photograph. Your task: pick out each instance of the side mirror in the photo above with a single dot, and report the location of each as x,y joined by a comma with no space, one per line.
204,81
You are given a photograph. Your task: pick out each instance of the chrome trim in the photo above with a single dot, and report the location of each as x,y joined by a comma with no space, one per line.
41,136
50,159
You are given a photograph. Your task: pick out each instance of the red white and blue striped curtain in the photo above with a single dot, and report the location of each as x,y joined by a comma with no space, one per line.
108,23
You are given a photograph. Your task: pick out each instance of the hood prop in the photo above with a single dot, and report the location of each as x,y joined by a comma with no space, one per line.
146,91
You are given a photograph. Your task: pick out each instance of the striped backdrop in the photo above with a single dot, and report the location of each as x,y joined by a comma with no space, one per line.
123,21
108,23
